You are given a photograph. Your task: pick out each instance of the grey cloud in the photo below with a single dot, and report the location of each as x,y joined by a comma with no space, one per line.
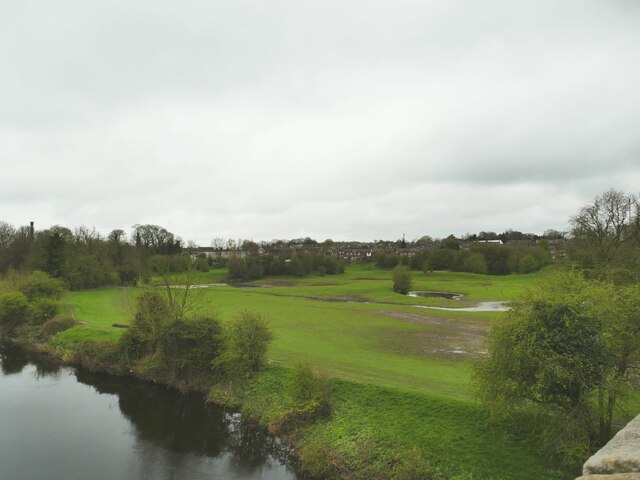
335,119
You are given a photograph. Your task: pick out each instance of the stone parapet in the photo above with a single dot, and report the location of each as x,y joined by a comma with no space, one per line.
619,459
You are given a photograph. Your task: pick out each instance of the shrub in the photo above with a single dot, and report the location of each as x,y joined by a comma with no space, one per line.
401,279
248,339
237,268
141,338
40,285
308,394
188,350
14,311
201,264
44,309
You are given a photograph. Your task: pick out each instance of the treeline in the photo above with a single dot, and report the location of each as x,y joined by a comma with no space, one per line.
83,258
483,258
299,264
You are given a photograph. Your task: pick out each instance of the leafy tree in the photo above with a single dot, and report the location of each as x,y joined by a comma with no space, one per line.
402,279
527,264
566,348
441,259
620,311
451,242
475,263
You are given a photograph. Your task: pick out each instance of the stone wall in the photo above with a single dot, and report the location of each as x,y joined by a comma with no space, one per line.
619,459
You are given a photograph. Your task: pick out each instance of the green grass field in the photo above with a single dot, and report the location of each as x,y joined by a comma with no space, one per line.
403,374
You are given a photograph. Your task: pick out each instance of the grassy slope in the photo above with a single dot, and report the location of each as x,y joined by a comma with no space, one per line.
401,399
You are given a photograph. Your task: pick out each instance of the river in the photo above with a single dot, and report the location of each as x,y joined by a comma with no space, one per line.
59,423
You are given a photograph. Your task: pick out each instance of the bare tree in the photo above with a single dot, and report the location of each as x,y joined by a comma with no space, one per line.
605,225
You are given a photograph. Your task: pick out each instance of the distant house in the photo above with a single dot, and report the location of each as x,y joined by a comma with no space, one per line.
407,252
217,254
524,241
495,242
355,254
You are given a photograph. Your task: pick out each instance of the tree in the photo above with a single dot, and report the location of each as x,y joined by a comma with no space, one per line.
603,228
475,263
620,311
402,279
567,348
157,239
527,264
250,247
55,250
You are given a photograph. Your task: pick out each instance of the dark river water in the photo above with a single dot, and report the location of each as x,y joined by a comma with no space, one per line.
58,423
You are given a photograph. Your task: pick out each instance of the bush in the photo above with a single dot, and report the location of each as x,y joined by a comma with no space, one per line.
99,356
40,285
14,311
248,339
237,268
201,264
44,309
402,279
188,350
141,338
309,394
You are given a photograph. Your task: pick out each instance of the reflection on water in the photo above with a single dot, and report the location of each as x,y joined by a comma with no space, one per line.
61,424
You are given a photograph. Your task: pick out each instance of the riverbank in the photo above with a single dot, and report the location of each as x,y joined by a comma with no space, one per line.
402,406
376,432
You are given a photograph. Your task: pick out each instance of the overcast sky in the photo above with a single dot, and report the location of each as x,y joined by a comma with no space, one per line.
359,119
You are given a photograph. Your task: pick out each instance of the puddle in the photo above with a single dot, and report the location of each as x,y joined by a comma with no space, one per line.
480,307
429,294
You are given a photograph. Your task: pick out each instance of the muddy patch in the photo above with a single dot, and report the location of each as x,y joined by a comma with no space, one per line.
441,337
321,299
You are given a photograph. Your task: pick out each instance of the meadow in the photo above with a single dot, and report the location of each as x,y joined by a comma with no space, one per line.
402,374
